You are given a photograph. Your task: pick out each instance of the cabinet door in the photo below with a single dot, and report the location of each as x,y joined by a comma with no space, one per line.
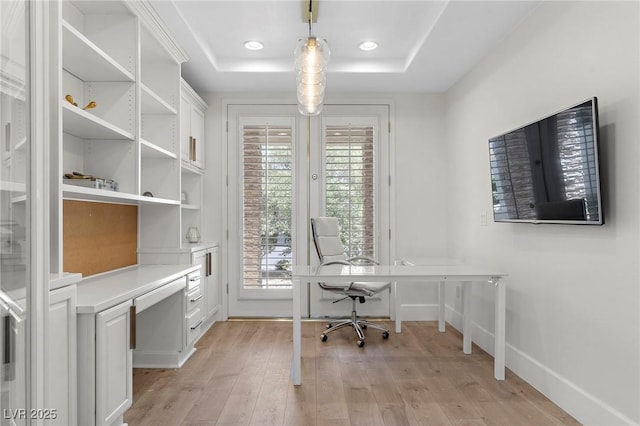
197,132
114,371
61,356
213,297
185,128
200,258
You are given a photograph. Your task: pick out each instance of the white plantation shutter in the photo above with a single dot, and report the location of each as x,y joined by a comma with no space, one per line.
267,202
350,185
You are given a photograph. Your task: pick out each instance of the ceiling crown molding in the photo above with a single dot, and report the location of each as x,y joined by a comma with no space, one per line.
150,18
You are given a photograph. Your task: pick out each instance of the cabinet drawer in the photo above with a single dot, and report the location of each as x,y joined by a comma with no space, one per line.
193,280
193,299
149,299
194,325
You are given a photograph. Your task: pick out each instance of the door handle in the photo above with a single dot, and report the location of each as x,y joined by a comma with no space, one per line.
132,327
9,355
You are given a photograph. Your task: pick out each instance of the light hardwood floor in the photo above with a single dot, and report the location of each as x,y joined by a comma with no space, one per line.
239,375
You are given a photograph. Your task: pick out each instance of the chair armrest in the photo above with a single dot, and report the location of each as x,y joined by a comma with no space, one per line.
364,258
336,262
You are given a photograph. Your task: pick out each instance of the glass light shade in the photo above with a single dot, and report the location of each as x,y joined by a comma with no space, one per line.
311,57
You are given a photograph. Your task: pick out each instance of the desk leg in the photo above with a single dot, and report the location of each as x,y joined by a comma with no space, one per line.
396,302
442,296
500,318
466,317
296,362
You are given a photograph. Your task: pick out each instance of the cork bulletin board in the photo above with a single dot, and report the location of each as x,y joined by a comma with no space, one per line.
99,237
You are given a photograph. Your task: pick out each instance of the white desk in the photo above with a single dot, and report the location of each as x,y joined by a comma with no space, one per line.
466,274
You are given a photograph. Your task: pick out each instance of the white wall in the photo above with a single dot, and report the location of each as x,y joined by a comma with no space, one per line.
573,300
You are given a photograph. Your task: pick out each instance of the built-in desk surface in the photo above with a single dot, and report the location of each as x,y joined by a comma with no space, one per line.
100,292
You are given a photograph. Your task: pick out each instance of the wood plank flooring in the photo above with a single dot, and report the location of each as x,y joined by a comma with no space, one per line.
239,375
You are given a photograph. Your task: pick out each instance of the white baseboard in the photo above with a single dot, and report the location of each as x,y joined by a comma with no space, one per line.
419,312
161,359
583,406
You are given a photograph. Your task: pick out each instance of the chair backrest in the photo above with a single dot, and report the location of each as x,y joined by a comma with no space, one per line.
326,237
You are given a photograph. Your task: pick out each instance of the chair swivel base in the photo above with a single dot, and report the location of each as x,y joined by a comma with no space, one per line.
357,324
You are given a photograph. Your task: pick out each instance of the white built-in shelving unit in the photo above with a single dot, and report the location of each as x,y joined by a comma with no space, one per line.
119,55
192,145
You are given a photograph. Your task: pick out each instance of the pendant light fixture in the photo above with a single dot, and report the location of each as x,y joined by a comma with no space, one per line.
311,58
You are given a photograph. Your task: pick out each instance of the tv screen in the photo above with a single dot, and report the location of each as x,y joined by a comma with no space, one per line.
548,171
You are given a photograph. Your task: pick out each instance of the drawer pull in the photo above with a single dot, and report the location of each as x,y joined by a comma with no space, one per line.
132,327
196,325
196,299
194,279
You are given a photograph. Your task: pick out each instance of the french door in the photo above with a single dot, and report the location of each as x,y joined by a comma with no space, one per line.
349,171
284,168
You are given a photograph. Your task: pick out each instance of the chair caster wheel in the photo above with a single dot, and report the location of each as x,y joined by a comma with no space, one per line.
385,335
360,343
363,326
328,326
323,337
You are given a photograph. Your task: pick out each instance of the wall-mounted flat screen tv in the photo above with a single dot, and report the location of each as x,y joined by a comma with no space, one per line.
548,171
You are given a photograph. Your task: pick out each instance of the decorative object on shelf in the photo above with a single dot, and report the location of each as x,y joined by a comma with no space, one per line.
88,181
78,175
193,235
90,105
70,99
183,197
311,58
147,194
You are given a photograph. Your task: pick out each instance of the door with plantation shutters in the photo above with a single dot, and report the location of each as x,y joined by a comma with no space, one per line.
350,161
284,168
263,149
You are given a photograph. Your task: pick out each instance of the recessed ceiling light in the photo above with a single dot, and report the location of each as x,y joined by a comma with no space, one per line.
253,45
368,45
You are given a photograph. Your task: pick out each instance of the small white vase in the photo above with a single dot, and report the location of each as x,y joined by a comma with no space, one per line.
193,235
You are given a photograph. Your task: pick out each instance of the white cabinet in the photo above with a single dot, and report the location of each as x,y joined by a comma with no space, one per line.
212,287
114,368
105,369
208,298
208,259
194,316
60,370
192,111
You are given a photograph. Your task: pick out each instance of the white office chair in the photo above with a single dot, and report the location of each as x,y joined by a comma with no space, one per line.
326,237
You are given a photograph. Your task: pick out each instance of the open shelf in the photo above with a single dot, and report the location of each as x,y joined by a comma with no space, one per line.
82,58
190,207
92,194
16,188
87,126
152,103
150,150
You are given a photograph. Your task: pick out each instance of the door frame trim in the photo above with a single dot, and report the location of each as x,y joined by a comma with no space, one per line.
281,100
